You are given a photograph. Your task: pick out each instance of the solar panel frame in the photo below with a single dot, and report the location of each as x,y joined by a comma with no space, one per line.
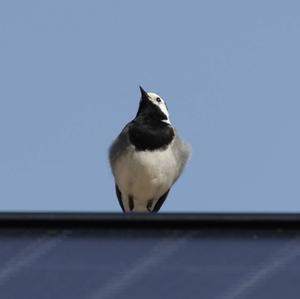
153,221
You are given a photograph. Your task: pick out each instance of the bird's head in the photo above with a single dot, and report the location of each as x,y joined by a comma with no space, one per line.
153,106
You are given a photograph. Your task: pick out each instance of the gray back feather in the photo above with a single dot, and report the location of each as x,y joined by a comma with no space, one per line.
182,152
119,147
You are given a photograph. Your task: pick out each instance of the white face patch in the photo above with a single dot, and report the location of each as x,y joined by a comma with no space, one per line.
158,101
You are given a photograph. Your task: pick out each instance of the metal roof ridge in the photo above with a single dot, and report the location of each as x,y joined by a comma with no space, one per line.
140,220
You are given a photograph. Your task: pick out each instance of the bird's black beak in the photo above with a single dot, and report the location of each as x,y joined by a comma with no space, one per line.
143,93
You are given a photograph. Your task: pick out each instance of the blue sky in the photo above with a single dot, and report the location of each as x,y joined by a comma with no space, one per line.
229,71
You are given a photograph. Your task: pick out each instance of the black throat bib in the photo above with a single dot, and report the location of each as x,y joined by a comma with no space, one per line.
150,135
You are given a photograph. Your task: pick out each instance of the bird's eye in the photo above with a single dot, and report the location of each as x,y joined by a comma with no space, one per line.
158,100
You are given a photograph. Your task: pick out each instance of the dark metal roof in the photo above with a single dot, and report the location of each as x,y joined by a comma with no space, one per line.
140,220
89,256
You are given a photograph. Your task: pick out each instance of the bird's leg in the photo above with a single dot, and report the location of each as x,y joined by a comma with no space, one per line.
130,203
149,205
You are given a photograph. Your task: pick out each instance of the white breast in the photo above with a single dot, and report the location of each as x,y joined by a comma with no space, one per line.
145,175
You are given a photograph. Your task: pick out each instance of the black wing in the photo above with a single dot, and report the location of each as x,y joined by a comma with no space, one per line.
160,202
119,195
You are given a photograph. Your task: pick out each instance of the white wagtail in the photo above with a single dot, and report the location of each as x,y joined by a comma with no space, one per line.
147,157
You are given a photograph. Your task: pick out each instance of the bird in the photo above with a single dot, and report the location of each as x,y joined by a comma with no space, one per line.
147,157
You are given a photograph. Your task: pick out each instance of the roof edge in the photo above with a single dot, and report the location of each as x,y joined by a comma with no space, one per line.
152,221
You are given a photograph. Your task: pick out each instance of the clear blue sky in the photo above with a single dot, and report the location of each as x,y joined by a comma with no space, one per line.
229,71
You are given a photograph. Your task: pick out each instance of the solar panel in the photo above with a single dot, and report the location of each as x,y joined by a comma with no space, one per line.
149,256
